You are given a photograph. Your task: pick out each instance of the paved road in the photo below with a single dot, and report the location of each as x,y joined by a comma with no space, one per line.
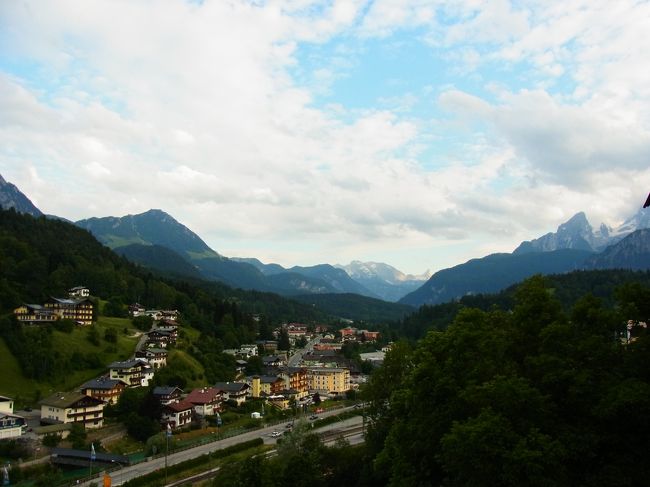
127,473
295,359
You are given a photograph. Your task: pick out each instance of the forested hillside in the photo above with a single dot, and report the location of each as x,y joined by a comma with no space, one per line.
41,257
566,288
535,396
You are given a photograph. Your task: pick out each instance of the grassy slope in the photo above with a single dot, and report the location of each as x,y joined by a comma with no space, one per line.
14,384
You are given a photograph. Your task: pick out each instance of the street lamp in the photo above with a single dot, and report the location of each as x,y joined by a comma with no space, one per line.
168,433
120,467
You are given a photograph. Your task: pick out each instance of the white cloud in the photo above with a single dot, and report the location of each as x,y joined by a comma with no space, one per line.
192,108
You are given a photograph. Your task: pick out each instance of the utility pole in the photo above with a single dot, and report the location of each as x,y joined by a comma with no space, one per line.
168,433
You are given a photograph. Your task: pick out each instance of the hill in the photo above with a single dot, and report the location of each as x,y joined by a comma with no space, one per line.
356,308
493,273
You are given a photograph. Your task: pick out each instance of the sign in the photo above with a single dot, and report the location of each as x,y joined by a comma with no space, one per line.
93,455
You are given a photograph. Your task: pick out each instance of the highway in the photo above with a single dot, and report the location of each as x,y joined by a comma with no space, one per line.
124,474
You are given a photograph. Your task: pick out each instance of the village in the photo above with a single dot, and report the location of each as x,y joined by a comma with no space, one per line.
293,381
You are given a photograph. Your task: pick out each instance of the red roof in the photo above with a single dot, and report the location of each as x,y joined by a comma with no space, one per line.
205,395
179,407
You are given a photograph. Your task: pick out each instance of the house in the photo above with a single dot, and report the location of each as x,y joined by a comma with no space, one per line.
347,332
78,310
248,351
234,391
329,380
167,394
273,361
266,385
206,401
136,309
79,292
177,414
35,314
135,372
11,425
73,407
157,357
160,338
104,388
6,405
268,345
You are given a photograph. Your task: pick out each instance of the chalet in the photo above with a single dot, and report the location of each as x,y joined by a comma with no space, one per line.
159,338
78,310
79,292
6,405
136,309
268,345
35,314
167,394
248,351
234,391
73,407
135,372
11,425
157,357
206,401
177,414
104,388
274,361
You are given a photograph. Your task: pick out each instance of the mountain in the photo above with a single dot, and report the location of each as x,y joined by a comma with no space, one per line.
131,234
493,273
159,258
12,197
321,278
632,252
577,233
148,228
383,280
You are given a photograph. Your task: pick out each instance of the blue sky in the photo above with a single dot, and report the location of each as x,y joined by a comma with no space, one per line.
413,132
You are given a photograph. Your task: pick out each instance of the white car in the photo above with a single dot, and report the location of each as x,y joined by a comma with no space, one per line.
275,434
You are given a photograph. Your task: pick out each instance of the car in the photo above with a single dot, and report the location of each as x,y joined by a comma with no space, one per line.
288,425
313,416
275,434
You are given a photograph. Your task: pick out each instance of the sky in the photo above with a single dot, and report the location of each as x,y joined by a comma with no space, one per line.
412,132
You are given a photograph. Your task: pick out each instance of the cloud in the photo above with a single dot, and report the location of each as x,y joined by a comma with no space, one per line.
196,108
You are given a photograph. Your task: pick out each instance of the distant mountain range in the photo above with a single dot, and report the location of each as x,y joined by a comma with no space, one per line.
574,246
156,240
384,280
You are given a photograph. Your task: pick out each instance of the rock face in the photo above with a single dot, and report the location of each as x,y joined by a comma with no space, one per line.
11,197
578,234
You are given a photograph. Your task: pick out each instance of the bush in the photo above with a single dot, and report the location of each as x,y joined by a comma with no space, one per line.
51,440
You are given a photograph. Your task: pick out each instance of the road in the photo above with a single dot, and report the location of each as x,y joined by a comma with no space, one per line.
295,359
127,473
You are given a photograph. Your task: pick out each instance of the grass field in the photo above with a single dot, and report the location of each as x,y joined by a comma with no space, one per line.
26,392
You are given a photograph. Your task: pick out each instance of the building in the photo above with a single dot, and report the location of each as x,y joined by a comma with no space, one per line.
329,380
77,310
73,407
79,292
136,309
104,388
206,401
11,425
266,385
160,338
177,414
157,357
6,405
35,314
135,372
167,394
234,391
295,379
